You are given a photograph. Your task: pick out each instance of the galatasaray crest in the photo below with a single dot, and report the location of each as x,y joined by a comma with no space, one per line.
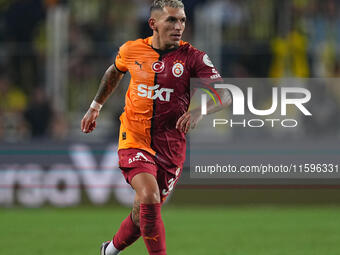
178,68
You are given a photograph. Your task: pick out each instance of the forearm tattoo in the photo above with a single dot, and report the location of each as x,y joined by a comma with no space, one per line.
108,84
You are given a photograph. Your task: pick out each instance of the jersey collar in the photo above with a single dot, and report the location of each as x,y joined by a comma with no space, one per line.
148,41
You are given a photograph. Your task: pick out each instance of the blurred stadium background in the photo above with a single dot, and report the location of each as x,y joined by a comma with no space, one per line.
52,56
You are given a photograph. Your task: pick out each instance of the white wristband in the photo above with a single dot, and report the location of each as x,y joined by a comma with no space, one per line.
96,106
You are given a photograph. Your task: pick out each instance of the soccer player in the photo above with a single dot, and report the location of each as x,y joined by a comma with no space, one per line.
155,120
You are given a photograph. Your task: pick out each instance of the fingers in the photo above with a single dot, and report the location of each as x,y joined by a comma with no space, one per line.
188,121
92,126
82,124
85,124
183,123
88,123
180,120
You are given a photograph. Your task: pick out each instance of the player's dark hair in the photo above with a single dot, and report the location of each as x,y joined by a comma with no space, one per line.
160,4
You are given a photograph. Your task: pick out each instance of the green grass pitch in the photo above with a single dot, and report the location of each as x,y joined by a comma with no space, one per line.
190,230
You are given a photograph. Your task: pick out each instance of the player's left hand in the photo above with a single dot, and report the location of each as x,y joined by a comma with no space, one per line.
189,120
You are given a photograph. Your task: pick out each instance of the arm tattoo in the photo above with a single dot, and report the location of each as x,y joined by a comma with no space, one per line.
108,84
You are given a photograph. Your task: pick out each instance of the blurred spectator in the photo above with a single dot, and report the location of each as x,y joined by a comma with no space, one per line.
290,57
143,13
12,103
11,99
80,48
21,21
39,114
281,39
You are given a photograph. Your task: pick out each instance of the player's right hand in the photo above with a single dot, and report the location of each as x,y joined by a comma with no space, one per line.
88,123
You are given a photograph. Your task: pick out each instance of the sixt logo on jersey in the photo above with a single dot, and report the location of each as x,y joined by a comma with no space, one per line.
152,92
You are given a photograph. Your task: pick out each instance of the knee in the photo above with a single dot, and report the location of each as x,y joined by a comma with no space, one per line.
149,196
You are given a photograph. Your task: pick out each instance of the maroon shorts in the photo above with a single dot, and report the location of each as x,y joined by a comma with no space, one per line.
135,161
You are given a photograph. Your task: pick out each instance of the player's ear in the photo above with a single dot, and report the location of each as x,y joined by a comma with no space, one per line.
152,23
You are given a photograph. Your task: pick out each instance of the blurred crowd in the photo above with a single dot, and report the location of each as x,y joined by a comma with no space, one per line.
261,38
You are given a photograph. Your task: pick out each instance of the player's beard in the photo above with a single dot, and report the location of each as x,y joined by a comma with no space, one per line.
169,43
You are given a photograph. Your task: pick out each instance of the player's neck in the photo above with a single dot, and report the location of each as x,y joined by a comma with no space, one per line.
159,45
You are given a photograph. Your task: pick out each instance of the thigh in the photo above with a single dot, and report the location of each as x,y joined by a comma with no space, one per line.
140,171
136,161
146,188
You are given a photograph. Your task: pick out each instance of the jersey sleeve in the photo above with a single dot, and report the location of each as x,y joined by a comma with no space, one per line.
120,61
203,68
